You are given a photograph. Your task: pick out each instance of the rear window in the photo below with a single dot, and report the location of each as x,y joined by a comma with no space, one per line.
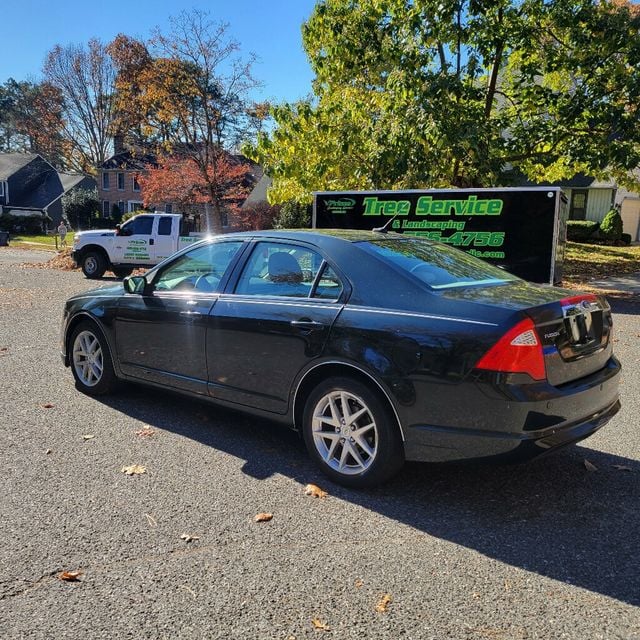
436,264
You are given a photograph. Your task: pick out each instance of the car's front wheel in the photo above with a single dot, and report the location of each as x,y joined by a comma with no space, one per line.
91,361
351,433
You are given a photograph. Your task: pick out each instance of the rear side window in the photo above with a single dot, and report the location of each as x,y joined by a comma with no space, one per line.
436,264
281,269
164,226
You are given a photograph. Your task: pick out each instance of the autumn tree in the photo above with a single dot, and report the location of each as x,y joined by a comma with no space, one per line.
85,77
438,93
31,120
180,179
191,96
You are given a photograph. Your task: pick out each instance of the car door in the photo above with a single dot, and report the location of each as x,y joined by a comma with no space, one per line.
275,321
160,334
166,238
134,242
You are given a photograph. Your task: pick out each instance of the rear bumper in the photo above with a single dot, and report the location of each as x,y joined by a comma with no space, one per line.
518,422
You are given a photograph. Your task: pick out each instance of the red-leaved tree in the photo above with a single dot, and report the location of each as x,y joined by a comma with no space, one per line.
181,180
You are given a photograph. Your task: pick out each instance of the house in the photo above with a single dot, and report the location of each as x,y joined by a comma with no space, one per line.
119,189
30,187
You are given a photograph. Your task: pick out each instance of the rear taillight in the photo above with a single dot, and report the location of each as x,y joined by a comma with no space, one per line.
518,351
583,297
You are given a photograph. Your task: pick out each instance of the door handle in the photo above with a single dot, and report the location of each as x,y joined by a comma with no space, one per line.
151,241
190,314
307,324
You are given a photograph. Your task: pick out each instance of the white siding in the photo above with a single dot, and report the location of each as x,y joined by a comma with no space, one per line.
599,202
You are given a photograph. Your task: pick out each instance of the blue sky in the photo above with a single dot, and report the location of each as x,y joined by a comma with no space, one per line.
270,29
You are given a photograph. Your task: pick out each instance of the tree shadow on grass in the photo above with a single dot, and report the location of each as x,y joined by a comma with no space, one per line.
550,516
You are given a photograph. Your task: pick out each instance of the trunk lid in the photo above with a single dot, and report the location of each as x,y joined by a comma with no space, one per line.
574,330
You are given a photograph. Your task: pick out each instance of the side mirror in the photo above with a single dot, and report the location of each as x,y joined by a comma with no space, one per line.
135,284
117,229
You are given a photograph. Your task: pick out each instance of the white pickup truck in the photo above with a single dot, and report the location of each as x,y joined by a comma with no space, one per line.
143,241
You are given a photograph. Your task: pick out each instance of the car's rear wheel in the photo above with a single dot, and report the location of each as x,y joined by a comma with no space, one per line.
93,265
91,361
351,433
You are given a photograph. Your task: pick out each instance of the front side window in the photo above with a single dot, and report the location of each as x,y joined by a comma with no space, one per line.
140,226
280,269
200,269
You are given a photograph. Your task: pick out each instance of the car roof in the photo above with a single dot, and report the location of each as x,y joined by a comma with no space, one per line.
318,236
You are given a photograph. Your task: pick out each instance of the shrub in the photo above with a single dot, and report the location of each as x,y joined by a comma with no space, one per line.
35,223
116,214
581,230
611,226
80,207
293,215
626,239
257,216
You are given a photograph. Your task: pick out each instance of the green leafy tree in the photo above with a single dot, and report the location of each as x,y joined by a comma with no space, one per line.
80,207
293,215
438,93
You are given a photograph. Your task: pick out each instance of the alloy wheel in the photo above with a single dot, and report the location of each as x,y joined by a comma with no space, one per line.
88,361
344,432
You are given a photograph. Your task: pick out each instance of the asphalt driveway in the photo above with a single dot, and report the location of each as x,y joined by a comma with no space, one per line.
546,550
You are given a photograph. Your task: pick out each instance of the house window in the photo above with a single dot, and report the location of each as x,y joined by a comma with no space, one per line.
105,180
134,205
120,181
105,208
136,186
168,208
121,206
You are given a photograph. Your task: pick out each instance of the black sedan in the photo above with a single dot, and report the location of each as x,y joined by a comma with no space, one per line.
378,348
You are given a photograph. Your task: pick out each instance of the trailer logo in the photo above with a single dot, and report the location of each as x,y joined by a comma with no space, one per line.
340,205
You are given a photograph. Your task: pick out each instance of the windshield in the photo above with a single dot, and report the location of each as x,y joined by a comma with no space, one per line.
437,265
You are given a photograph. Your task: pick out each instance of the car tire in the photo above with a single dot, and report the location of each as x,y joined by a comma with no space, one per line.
93,265
121,274
90,361
357,447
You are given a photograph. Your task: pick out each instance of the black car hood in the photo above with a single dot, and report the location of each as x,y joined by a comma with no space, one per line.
113,290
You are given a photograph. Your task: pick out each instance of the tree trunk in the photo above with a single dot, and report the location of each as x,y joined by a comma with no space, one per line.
212,219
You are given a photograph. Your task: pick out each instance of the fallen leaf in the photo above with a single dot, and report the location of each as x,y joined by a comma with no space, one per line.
48,451
188,538
318,624
384,603
622,467
151,520
70,576
475,594
263,517
589,466
134,470
88,436
4,348
48,405
358,583
145,431
315,491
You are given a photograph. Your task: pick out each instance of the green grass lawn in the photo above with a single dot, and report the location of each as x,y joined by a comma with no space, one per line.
37,241
585,261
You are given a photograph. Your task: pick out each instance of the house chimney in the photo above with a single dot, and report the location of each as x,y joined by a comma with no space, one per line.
118,144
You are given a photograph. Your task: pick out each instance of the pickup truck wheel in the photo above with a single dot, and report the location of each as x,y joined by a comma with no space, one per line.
93,265
91,361
122,273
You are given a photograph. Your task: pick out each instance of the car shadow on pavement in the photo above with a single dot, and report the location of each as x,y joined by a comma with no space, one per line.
557,516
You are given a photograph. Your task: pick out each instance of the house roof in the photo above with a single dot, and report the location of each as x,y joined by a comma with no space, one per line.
129,160
579,181
12,162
